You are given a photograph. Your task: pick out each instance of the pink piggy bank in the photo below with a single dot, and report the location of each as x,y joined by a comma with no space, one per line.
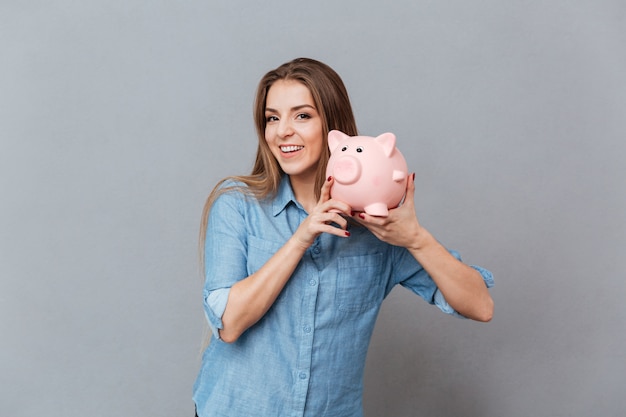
370,173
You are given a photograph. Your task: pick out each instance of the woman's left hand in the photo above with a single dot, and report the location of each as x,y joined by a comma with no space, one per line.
400,227
462,286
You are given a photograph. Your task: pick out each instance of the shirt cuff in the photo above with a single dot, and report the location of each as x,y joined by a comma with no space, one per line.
443,305
214,306
441,302
487,275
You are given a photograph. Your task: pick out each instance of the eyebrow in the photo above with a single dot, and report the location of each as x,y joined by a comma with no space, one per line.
296,108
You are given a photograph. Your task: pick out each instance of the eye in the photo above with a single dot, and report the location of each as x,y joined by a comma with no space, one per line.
359,149
303,116
270,119
345,148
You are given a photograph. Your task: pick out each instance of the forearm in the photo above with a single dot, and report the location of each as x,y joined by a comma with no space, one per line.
250,298
461,285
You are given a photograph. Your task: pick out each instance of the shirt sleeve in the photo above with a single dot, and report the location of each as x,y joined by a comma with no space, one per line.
214,306
415,278
225,255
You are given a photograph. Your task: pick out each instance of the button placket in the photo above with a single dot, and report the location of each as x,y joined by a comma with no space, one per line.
306,329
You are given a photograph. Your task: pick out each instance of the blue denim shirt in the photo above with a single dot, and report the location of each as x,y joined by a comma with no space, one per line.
306,356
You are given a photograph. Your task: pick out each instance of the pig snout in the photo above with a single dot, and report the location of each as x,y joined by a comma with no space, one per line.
347,170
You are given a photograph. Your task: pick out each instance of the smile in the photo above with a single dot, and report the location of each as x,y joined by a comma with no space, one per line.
292,148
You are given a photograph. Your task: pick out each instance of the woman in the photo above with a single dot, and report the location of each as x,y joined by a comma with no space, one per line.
294,278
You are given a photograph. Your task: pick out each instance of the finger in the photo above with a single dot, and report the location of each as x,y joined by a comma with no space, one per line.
336,206
340,221
329,222
336,231
410,189
333,217
365,218
325,192
332,205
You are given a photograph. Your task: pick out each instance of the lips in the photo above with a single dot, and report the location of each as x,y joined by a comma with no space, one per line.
290,148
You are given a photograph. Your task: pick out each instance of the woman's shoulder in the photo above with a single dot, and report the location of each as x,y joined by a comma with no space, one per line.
237,191
230,189
230,186
244,193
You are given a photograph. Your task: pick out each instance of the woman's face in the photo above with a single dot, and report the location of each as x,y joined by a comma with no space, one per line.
293,128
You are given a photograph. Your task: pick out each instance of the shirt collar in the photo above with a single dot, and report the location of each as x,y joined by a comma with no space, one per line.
284,196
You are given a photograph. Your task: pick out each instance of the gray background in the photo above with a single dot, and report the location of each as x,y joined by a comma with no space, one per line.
118,117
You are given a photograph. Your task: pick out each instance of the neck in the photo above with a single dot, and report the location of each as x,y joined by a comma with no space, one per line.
304,190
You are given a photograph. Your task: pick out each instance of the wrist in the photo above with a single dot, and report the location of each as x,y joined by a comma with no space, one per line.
298,243
421,240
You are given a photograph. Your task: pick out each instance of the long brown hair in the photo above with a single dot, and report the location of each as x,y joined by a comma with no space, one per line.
331,99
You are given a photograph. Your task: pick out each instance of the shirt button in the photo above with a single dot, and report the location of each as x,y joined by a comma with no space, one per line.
307,329
317,250
302,375
312,283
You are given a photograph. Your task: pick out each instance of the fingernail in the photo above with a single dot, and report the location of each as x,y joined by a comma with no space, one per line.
347,233
330,178
414,176
361,215
352,213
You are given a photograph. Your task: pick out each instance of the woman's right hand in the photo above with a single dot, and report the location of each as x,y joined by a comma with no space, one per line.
250,298
320,220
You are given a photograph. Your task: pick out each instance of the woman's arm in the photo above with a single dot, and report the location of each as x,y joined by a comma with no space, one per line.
250,298
461,285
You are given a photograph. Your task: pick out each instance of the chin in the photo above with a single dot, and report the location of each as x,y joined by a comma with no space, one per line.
301,173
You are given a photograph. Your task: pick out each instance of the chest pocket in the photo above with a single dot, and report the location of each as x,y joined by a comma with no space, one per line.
360,285
259,252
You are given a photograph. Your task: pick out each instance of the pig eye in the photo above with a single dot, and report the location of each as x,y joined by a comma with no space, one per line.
359,149
345,148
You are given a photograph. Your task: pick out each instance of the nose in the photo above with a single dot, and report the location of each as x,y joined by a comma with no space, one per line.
285,129
347,170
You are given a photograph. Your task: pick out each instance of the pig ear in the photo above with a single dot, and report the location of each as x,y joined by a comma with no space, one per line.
334,137
388,142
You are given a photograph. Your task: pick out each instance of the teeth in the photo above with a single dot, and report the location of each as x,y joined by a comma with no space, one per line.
290,148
